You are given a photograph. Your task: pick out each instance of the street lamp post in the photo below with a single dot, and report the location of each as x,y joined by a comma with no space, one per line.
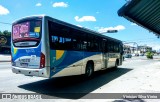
110,31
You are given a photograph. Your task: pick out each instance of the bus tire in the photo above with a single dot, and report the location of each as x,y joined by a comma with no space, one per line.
116,64
89,69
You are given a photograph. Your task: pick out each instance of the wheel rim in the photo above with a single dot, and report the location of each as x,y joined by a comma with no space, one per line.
89,71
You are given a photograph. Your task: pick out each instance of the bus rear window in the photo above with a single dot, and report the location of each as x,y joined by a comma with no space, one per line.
26,33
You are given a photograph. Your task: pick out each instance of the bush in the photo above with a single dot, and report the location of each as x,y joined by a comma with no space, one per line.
149,55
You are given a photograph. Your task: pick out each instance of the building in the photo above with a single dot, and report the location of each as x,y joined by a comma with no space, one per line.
144,49
126,49
136,50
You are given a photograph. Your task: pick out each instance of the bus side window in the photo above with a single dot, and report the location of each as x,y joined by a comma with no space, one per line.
106,46
75,44
79,45
84,45
54,42
109,46
54,39
67,44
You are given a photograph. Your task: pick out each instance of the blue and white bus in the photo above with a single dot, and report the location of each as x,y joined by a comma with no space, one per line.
46,47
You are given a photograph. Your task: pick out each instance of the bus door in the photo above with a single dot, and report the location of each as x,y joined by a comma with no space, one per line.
105,54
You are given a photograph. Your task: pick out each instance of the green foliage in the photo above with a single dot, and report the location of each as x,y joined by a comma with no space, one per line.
6,33
149,55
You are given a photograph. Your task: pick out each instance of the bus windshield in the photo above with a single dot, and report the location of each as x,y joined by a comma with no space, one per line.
27,33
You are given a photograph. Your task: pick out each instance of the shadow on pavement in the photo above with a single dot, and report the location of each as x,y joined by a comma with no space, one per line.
74,87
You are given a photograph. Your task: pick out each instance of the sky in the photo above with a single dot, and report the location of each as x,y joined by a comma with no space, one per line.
97,15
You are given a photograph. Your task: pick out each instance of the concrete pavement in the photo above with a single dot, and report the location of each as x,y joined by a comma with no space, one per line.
5,58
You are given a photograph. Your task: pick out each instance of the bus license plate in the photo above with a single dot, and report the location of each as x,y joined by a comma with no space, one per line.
24,64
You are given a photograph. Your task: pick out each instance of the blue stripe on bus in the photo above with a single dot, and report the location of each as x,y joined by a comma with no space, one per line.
17,53
68,58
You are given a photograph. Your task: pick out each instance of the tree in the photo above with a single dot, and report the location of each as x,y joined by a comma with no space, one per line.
149,55
1,33
7,33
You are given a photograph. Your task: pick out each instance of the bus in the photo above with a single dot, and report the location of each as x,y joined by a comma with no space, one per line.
46,47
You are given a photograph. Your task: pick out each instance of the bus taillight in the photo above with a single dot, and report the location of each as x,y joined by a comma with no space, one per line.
42,61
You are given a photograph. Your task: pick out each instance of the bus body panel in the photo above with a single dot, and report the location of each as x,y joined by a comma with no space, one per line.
112,57
31,57
64,63
59,67
78,68
27,60
26,57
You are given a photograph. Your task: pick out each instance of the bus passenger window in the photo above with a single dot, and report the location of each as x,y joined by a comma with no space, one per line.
74,44
54,39
54,42
67,44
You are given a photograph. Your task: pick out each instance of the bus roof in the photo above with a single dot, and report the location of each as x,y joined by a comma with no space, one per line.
145,13
69,25
27,17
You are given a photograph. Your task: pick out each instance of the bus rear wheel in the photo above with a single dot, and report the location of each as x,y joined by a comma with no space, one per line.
89,70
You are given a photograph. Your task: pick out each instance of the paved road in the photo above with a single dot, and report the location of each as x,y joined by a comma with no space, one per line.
5,58
135,75
5,66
